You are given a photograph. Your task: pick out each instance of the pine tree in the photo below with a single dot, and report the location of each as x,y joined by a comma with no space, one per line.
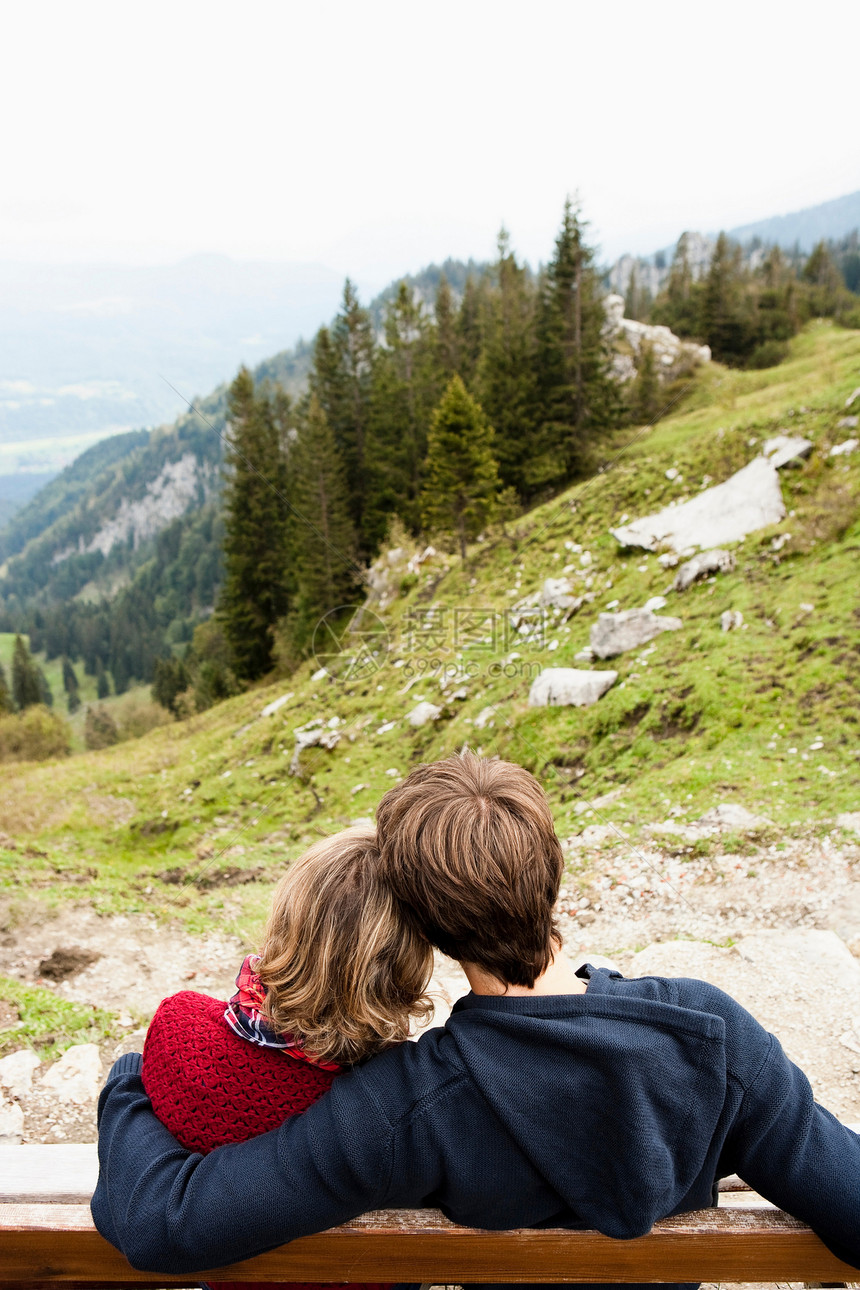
470,329
6,704
506,379
341,378
323,538
726,323
447,344
645,394
255,593
462,481
406,388
102,682
825,280
579,398
27,681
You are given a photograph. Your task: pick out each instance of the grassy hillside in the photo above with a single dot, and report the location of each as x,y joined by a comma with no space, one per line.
198,818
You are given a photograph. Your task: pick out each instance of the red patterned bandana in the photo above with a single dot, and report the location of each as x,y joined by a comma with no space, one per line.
245,1016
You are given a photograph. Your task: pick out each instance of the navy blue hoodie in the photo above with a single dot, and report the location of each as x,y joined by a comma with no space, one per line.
605,1110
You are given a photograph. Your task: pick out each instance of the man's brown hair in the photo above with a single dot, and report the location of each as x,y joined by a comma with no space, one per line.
469,848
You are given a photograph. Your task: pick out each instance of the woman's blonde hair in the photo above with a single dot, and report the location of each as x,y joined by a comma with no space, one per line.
345,973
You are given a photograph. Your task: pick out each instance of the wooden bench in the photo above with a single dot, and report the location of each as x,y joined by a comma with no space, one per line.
47,1239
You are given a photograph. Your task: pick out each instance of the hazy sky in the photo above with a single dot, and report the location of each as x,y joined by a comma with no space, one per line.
376,136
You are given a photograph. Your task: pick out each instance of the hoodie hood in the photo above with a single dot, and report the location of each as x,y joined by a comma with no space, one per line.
613,1099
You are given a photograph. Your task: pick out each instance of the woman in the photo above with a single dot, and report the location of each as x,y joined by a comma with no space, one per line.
338,979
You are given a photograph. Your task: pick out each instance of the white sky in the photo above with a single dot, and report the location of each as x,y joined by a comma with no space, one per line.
377,136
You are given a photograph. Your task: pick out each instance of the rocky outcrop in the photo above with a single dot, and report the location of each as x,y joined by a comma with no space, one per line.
630,339
786,450
749,500
616,633
315,734
701,566
568,686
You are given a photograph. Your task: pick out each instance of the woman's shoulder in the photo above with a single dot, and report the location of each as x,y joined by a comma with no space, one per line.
210,1086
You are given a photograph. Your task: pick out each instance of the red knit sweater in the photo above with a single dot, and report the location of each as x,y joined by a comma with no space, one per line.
209,1087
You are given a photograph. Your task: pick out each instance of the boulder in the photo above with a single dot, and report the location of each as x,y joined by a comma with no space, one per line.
701,566
567,686
556,594
848,423
749,500
276,704
424,712
16,1072
842,449
855,394
729,815
731,620
630,339
77,1076
655,603
315,734
615,633
11,1124
783,449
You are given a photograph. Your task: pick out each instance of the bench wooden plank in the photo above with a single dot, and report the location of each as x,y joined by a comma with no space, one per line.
58,1245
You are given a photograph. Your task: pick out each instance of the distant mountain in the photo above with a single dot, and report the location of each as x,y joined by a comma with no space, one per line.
829,221
86,347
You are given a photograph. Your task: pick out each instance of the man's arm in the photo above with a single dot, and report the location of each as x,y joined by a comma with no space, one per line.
798,1155
170,1210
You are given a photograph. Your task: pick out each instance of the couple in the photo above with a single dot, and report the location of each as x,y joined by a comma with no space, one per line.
551,1098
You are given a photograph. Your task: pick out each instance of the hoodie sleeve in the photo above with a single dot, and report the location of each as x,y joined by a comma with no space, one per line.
799,1156
173,1211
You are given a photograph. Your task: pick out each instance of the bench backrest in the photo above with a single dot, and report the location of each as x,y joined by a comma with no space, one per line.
47,1239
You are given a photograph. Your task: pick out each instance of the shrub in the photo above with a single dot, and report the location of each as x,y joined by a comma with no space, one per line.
136,716
769,353
34,735
100,729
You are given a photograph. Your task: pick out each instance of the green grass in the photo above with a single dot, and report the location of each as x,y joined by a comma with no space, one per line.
198,819
49,1024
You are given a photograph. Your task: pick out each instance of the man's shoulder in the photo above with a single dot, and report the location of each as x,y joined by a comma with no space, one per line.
409,1078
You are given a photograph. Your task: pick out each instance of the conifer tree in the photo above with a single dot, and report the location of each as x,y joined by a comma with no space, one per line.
27,681
406,388
470,330
726,325
821,273
447,346
341,378
578,395
461,477
323,537
506,380
255,593
70,685
6,704
102,682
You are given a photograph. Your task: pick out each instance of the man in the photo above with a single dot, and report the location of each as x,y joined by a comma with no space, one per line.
550,1098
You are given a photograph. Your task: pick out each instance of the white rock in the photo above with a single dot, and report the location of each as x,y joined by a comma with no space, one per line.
783,449
851,397
584,655
749,500
731,620
848,423
16,1072
615,633
276,704
77,1076
565,686
312,735
424,712
671,473
701,565
729,815
556,594
849,820
485,718
842,449
655,603
319,674
667,560
11,1124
